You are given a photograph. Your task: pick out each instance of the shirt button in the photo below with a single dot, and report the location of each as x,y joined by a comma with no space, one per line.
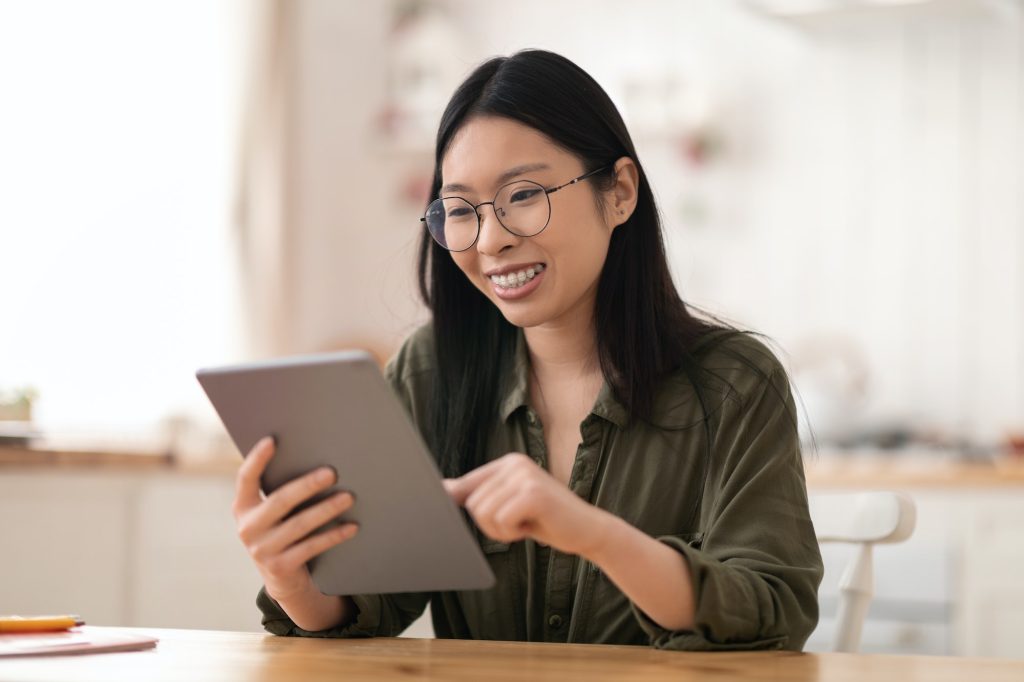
555,621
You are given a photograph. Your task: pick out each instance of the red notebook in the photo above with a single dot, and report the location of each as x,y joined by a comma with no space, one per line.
80,640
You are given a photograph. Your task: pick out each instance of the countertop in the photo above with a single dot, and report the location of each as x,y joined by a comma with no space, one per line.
827,469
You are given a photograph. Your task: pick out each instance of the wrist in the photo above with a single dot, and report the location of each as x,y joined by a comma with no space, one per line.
608,536
298,590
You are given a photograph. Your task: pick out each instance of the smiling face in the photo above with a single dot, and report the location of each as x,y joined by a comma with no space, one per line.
541,279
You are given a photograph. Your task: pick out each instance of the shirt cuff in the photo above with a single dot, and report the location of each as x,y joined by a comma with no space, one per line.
366,624
702,637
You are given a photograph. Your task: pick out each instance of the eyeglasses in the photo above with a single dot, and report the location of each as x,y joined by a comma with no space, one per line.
522,207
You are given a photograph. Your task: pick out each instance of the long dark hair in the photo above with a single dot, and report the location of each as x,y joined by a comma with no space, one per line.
644,329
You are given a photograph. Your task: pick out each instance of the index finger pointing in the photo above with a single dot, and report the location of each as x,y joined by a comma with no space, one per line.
460,488
247,489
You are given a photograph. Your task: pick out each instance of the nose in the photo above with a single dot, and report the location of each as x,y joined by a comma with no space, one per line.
494,238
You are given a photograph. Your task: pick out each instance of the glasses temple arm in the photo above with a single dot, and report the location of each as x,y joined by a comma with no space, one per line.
575,180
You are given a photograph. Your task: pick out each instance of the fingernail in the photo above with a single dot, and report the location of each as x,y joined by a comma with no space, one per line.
325,475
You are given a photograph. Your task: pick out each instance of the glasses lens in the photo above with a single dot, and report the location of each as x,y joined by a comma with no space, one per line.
523,208
452,223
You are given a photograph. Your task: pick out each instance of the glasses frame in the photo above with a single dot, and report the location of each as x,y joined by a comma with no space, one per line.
548,191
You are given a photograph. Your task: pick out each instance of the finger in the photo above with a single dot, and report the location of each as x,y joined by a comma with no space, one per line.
282,501
460,488
485,491
300,553
494,503
486,507
516,518
299,526
247,482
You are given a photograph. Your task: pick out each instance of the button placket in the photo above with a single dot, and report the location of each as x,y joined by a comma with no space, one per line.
588,462
536,448
535,439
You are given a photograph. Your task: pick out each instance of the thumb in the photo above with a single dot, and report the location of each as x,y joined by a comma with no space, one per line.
452,487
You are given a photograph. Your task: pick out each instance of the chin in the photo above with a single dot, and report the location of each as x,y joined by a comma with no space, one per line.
521,318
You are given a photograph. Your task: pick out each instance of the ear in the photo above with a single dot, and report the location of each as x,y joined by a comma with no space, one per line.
623,196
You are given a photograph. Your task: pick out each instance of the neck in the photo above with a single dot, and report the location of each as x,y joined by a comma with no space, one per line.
565,349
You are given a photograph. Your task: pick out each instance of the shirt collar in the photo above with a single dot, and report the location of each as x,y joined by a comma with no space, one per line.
518,393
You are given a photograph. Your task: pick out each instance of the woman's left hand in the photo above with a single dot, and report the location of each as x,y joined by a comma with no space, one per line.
512,498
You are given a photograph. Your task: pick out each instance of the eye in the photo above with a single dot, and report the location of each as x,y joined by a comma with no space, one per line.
525,194
460,212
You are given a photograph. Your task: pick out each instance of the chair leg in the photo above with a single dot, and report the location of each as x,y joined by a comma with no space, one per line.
855,591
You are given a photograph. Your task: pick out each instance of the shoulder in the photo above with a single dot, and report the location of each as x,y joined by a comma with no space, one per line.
409,373
727,368
414,357
742,359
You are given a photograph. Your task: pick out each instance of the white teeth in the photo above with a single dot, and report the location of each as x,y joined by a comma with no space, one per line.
514,280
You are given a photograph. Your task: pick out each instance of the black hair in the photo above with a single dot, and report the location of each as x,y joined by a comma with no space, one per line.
644,329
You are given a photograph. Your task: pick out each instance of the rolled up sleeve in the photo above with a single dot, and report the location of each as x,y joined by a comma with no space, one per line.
756,568
379,616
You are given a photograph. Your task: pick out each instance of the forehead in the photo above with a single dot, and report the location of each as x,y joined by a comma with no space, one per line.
485,148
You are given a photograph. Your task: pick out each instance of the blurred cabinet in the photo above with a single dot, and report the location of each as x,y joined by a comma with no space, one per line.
62,546
189,566
953,589
138,549
992,621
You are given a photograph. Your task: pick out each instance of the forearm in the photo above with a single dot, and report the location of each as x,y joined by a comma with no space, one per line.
313,611
652,574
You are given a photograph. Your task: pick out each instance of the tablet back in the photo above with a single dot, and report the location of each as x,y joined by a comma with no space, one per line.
337,410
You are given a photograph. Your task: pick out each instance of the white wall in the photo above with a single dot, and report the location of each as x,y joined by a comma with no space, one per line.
869,188
354,258
117,144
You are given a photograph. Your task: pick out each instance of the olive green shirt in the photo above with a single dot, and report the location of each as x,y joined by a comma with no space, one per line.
741,524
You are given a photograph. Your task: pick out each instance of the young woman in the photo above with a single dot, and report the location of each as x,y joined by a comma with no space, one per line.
633,472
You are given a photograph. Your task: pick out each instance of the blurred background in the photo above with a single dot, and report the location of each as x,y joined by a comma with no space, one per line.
192,183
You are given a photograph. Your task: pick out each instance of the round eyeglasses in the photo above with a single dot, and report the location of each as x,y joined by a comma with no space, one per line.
523,207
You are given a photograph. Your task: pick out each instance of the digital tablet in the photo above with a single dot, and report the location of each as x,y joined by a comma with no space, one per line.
337,410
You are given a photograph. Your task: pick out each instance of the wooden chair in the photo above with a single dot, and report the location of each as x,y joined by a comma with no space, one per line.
865,519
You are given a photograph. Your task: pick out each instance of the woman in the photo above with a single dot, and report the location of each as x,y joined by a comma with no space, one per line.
633,472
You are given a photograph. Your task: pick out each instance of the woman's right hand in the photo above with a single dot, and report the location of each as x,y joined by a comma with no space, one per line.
280,548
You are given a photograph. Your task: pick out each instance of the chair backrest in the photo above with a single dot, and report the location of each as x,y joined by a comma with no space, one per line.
864,519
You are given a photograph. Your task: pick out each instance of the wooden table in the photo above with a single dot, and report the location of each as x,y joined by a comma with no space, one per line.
196,655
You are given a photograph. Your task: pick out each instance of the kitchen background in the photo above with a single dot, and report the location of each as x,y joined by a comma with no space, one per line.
192,183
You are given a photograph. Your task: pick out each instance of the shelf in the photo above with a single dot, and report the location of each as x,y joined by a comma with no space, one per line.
814,13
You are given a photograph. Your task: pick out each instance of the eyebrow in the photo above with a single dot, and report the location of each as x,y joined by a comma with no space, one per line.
502,179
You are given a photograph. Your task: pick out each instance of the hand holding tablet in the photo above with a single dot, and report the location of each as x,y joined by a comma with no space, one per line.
280,548
335,413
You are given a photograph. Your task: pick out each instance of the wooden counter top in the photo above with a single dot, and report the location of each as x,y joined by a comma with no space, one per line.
827,470
115,460
911,471
26,456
